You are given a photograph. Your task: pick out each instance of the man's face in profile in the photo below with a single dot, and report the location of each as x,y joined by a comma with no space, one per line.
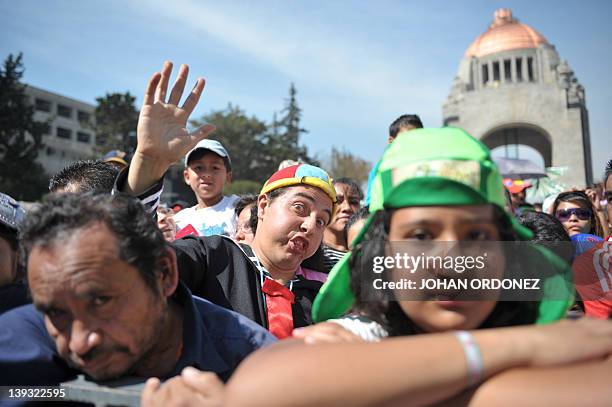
102,315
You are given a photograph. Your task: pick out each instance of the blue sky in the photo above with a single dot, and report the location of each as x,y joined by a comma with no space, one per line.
357,65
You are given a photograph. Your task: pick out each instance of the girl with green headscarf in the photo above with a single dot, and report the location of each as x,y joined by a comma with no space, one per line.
433,185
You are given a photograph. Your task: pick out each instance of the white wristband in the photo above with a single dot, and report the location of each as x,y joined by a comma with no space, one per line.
473,357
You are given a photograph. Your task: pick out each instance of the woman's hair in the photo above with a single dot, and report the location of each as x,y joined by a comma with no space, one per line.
351,183
389,314
549,232
581,199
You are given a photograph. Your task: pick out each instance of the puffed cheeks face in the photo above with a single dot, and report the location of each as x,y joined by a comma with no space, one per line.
444,230
290,227
98,309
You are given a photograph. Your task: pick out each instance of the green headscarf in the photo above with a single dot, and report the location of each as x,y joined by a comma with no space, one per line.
437,167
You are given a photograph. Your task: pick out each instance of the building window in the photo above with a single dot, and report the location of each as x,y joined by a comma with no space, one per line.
485,74
519,69
530,69
83,137
42,105
496,71
50,151
508,70
64,111
63,133
83,116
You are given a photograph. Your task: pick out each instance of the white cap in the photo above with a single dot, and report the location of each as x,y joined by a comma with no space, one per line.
211,145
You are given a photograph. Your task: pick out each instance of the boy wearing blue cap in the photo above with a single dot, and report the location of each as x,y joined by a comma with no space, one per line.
207,169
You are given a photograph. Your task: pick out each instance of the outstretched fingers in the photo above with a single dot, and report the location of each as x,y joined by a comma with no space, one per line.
149,96
179,85
194,96
162,86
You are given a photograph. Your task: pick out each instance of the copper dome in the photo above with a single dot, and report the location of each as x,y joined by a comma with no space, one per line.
504,34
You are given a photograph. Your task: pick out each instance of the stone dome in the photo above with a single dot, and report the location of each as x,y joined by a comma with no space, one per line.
505,33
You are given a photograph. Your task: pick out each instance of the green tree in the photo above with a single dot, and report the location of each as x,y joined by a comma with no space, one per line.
20,137
343,163
116,121
243,137
283,141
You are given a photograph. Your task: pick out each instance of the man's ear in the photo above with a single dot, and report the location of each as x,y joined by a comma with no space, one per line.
186,175
169,275
262,205
228,178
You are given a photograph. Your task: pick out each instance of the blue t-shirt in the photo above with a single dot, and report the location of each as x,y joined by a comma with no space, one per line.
214,339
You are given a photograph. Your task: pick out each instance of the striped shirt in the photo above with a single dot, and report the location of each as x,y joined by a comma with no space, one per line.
331,256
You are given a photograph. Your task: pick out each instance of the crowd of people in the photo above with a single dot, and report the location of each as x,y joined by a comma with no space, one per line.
268,299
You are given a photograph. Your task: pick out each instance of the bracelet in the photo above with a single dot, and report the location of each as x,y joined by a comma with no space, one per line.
473,357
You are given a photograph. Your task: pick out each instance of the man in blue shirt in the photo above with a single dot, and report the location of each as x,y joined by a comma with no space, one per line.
108,302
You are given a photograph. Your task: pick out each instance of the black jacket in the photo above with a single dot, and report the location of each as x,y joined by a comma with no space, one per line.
218,269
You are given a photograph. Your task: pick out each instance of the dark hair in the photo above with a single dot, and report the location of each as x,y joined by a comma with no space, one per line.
243,202
549,232
201,152
608,171
10,235
403,121
140,241
362,213
389,313
581,199
351,183
86,176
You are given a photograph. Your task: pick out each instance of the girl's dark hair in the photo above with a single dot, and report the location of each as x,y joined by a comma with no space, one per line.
389,313
580,198
351,183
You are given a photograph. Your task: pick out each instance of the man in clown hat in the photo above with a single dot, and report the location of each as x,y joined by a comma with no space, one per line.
263,281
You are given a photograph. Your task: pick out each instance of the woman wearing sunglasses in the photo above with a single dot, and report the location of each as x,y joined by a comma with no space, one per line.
575,210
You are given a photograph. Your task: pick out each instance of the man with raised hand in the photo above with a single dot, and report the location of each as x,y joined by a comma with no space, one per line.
264,281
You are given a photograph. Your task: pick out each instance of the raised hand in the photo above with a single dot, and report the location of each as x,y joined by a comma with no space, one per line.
162,134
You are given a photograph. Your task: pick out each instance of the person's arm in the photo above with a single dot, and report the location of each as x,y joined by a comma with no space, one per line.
420,369
161,134
150,197
576,385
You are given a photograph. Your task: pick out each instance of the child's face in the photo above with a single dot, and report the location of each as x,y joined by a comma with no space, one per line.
445,224
206,176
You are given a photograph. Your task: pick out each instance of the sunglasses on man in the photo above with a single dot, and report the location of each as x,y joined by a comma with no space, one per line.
581,213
